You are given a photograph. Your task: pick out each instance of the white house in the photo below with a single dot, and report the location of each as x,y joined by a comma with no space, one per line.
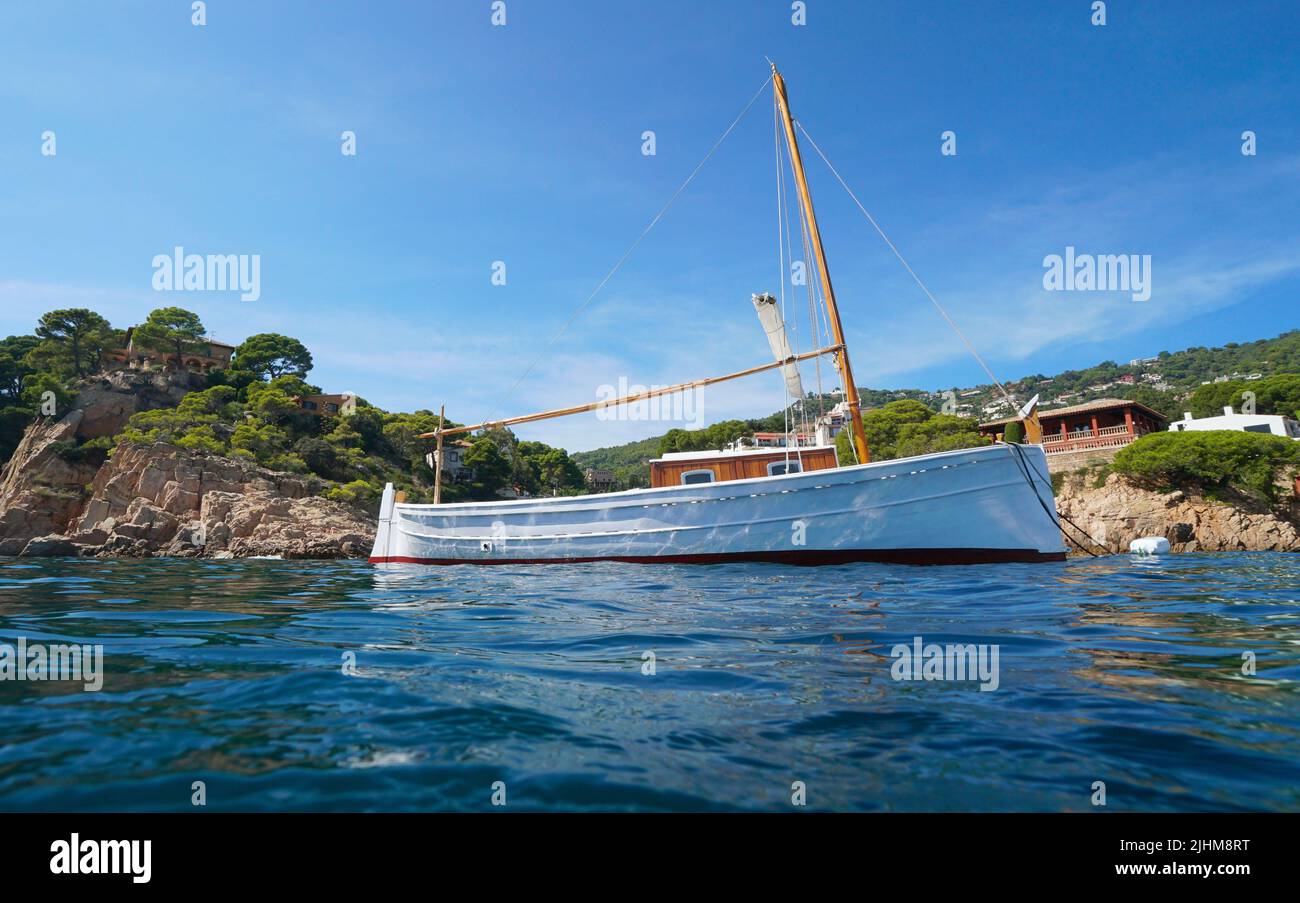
1275,424
831,423
453,461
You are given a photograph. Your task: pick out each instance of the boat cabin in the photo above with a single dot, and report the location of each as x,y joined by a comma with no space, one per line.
688,468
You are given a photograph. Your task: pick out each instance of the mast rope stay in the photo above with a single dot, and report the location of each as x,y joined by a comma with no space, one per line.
644,232
1060,519
781,244
785,255
907,266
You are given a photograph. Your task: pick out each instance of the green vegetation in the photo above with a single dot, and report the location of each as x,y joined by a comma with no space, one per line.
719,435
904,428
1188,369
628,462
360,452
1273,395
1165,402
1013,432
249,412
1267,356
172,330
32,365
269,355
1214,461
70,342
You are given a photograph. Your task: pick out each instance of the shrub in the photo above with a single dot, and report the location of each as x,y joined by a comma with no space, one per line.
904,428
202,438
92,453
1211,460
1278,394
358,492
1014,432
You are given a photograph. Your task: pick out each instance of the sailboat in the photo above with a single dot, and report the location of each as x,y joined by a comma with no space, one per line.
797,505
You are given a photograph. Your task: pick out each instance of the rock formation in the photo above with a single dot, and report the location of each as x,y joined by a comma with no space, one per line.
159,499
1118,512
42,487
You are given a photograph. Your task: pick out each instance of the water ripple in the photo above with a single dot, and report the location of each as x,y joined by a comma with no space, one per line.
608,686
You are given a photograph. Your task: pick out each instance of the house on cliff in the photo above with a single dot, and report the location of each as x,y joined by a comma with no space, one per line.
327,405
1082,432
211,355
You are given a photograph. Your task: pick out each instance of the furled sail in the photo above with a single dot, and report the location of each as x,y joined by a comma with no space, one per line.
769,315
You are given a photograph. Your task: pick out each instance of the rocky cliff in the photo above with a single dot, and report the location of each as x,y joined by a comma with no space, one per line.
159,500
1117,512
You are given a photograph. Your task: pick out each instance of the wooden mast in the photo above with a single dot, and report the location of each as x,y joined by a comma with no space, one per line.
437,474
832,312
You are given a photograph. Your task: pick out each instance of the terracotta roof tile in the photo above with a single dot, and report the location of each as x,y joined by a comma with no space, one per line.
1100,404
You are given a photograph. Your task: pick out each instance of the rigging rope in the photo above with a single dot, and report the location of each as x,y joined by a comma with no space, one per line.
646,231
1019,452
871,219
782,243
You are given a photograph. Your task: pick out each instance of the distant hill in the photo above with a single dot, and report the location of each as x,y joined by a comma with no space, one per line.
633,454
1161,382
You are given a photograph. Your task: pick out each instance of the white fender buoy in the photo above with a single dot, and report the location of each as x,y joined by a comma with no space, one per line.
1149,545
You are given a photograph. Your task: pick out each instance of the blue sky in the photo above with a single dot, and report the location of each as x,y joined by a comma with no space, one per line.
523,144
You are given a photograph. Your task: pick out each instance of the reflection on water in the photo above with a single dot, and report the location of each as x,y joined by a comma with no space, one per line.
232,673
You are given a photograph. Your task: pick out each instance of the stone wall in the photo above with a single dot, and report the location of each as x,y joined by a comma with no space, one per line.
1068,461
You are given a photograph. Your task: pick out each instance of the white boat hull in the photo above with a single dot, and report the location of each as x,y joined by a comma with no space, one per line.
960,507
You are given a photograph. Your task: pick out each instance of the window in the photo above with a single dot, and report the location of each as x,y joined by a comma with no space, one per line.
691,477
777,468
1258,428
309,405
331,407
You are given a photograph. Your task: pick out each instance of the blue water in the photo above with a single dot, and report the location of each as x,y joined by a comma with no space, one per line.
231,673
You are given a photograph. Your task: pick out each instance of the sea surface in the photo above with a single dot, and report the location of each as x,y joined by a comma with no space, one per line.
284,685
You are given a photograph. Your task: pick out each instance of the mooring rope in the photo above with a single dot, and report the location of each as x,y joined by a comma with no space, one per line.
1024,469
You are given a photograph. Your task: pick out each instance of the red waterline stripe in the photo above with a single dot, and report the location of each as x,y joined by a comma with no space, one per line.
789,556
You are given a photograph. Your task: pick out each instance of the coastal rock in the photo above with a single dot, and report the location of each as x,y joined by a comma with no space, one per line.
1118,512
161,499
158,499
44,486
49,546
40,489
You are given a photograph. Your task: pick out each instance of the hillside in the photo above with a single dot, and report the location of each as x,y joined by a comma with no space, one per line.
1162,382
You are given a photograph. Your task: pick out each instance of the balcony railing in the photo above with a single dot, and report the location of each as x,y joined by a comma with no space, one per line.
1106,437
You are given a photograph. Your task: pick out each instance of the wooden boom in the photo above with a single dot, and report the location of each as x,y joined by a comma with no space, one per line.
628,399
